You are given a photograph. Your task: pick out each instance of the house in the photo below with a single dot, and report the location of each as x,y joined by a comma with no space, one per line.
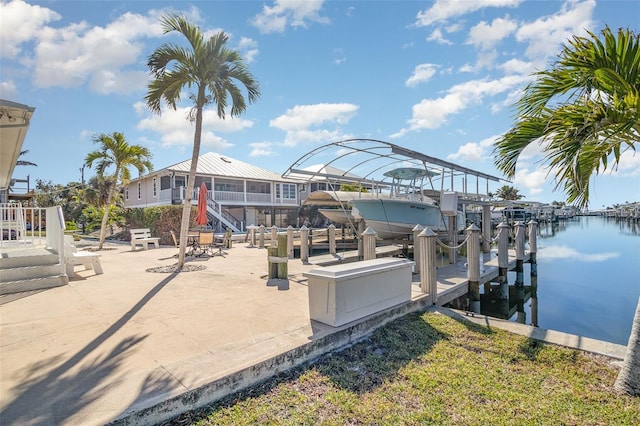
239,194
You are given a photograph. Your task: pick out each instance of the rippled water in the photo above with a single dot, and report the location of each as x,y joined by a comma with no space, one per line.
588,278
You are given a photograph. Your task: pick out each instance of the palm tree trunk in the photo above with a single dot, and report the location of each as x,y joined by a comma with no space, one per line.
105,216
628,380
186,211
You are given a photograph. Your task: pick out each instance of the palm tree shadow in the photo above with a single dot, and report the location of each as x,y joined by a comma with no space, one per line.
367,364
56,395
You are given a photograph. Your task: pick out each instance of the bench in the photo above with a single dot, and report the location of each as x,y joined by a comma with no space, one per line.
142,237
74,257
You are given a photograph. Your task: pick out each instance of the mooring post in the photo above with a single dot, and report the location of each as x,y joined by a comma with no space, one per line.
331,231
251,229
290,242
533,249
416,248
261,236
360,239
533,246
274,235
519,285
453,240
473,267
427,259
369,243
283,267
272,261
503,259
486,228
304,243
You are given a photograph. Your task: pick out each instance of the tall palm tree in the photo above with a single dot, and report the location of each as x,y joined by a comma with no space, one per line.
116,152
213,71
585,111
506,192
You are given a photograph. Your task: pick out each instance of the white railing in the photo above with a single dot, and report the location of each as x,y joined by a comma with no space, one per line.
21,225
228,196
165,195
253,197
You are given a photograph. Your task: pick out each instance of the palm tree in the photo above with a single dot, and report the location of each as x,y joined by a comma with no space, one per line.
115,151
24,162
585,111
507,192
212,70
628,380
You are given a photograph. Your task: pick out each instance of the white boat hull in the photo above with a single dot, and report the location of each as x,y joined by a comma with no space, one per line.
392,218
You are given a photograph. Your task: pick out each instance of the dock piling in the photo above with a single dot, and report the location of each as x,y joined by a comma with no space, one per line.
417,230
331,231
369,243
473,267
304,243
426,240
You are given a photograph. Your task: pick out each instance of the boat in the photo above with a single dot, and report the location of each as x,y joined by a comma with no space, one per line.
337,215
407,206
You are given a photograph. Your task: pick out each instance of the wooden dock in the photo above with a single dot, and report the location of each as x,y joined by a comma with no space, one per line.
352,255
452,278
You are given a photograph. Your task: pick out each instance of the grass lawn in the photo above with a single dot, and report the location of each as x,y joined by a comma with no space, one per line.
432,369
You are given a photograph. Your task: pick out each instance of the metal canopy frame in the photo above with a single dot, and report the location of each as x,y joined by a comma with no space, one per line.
364,161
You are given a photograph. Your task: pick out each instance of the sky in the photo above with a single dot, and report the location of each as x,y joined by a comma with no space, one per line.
439,77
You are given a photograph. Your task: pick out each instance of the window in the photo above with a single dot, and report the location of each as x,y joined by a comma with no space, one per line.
155,188
165,182
139,191
286,191
126,193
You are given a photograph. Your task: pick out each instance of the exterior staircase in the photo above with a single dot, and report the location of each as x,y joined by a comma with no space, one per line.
217,211
29,269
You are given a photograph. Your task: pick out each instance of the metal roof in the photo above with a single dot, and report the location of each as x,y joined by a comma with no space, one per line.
219,165
371,159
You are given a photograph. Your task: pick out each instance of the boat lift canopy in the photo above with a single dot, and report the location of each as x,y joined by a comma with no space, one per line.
367,163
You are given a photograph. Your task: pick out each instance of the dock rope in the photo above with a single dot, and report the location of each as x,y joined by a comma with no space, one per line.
452,247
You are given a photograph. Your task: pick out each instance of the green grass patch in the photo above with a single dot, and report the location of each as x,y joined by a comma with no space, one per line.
432,369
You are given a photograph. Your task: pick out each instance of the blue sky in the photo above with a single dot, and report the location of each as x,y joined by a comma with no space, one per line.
438,77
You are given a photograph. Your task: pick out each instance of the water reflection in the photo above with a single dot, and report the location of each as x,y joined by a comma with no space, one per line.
588,270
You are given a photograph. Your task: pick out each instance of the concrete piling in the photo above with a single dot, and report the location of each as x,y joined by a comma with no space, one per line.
304,243
416,248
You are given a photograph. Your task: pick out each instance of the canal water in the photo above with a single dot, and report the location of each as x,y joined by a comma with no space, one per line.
588,278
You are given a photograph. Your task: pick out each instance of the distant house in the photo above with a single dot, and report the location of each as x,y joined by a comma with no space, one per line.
239,194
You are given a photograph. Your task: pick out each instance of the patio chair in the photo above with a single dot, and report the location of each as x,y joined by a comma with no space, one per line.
206,241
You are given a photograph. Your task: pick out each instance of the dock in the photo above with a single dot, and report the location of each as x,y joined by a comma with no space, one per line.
452,278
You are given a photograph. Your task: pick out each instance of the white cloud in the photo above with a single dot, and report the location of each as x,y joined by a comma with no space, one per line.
486,36
432,113
176,129
21,23
517,66
556,252
474,151
629,164
299,121
295,13
534,180
421,74
437,36
249,49
8,90
442,10
261,149
546,33
100,56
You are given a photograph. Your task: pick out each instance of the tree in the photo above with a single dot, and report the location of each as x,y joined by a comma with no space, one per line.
24,162
507,192
585,111
116,152
213,71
